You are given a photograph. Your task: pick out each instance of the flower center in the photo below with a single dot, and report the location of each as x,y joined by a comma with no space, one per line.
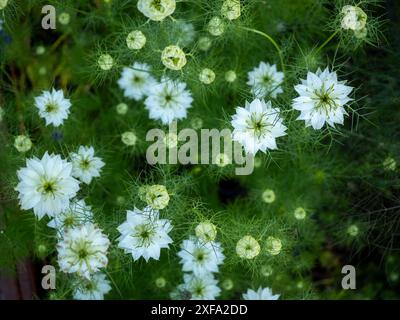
85,164
156,4
82,253
137,80
200,256
69,221
258,125
51,107
199,290
48,187
266,79
325,101
145,234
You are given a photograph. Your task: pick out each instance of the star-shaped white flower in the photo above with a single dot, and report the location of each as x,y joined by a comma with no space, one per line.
260,294
322,99
53,107
144,234
203,287
136,81
257,125
93,289
85,166
83,250
168,100
46,185
76,214
265,81
200,257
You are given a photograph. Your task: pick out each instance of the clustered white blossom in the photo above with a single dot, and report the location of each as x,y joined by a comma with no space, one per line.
50,185
200,258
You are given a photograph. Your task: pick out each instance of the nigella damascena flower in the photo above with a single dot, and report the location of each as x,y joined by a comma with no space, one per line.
83,250
257,125
322,99
200,257
85,166
144,234
168,101
265,81
93,289
204,287
260,294
76,214
53,107
46,185
136,81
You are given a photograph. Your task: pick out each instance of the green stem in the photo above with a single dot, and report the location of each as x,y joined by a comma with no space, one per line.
278,49
327,41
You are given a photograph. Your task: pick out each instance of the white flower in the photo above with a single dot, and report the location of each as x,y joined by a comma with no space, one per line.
265,80
53,107
322,99
354,18
22,143
85,166
144,234
260,294
136,40
93,289
136,81
257,126
156,10
46,185
200,257
76,214
203,287
83,250
173,57
168,100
